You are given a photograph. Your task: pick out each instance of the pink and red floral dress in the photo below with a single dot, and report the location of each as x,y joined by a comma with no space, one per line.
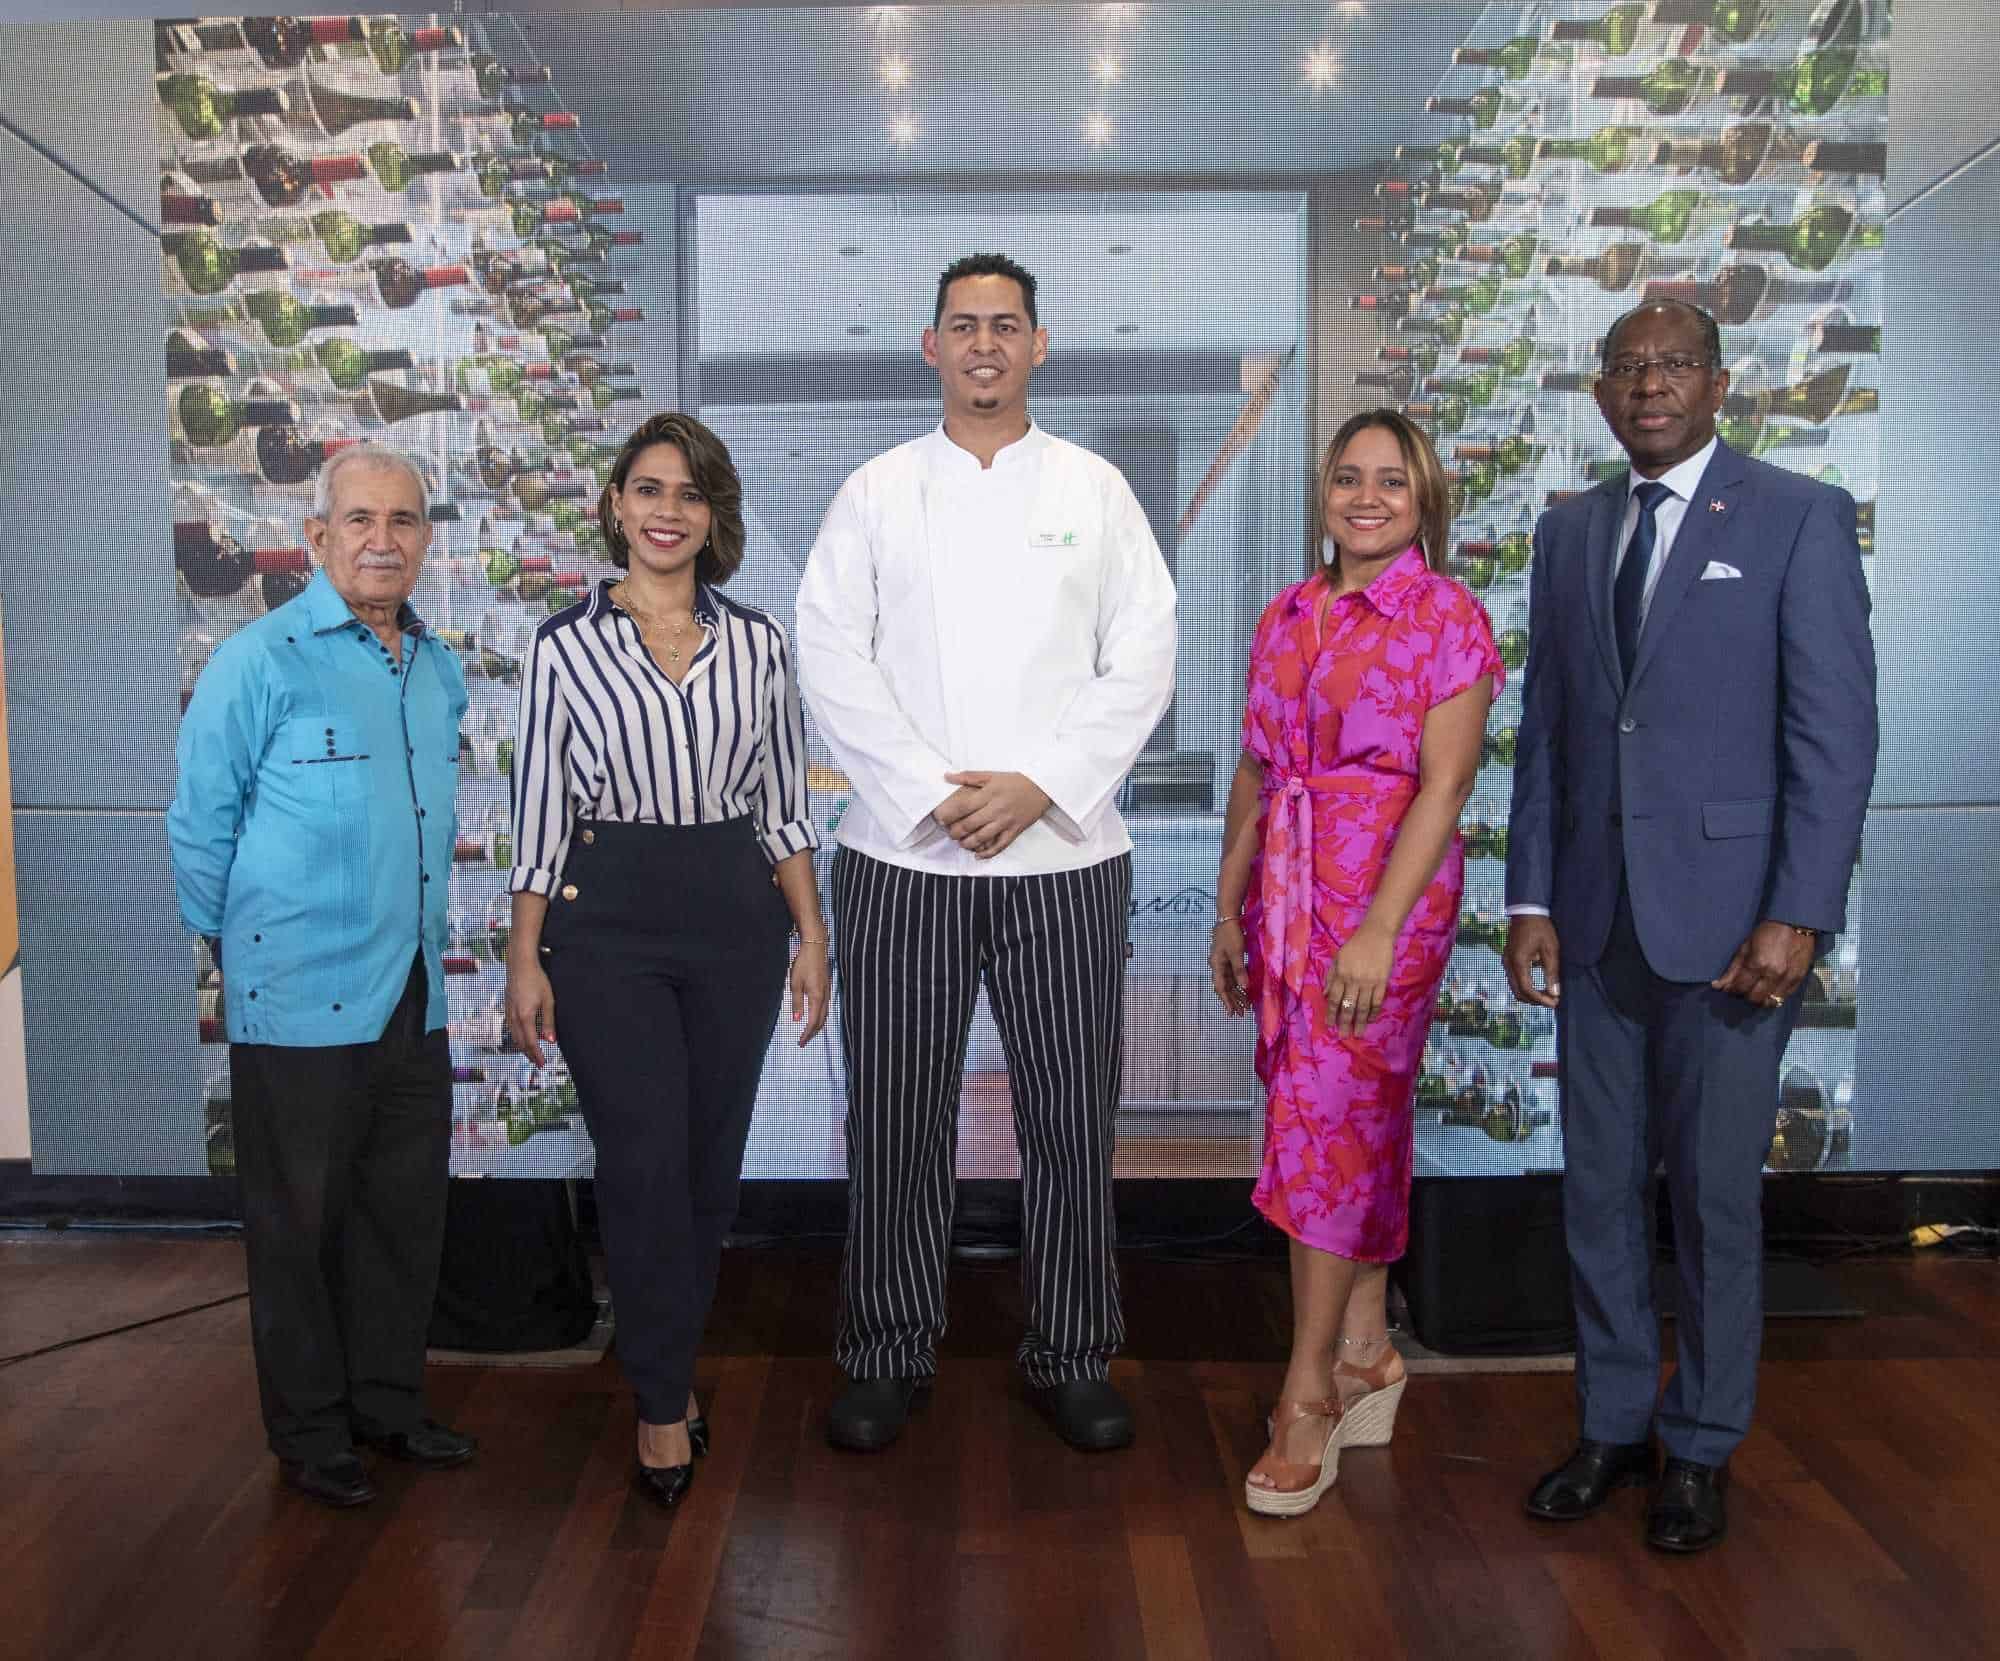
1336,717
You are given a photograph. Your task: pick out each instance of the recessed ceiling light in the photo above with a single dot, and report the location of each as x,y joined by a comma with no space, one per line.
1105,69
1097,129
1322,65
1119,248
1126,329
857,328
849,249
895,72
903,130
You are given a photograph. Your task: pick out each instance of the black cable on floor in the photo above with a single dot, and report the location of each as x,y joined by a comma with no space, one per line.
129,1326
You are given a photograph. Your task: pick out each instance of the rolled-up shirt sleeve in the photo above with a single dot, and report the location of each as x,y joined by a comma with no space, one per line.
543,813
1112,715
222,740
784,813
899,775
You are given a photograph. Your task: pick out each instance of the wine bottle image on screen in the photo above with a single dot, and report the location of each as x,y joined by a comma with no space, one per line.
1608,150
1667,218
1512,359
1741,154
1478,389
1746,293
206,265
1614,270
187,207
206,417
279,176
345,364
386,402
1503,1118
214,565
393,50
1736,21
341,236
1614,32
205,110
396,169
1836,332
1669,88
286,456
1814,85
1484,108
322,109
189,358
1515,58
278,42
282,319
1823,234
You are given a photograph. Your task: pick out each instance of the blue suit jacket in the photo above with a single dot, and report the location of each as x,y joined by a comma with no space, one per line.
1729,779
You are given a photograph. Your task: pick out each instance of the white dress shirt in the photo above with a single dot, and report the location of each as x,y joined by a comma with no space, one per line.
1017,618
1681,479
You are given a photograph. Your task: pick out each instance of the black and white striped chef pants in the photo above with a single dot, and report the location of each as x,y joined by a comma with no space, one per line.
913,948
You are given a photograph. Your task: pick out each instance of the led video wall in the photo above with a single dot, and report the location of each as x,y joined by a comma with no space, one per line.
403,230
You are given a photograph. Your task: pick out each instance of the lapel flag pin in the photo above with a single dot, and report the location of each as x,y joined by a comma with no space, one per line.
1715,505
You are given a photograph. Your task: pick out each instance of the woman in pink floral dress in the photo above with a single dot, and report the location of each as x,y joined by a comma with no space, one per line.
1338,902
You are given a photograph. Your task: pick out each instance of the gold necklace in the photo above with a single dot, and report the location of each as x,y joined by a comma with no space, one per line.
645,622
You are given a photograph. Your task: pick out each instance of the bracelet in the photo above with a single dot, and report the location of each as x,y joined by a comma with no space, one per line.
812,940
1212,927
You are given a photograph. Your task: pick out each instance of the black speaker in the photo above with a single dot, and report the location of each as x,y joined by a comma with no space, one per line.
1486,1272
513,1276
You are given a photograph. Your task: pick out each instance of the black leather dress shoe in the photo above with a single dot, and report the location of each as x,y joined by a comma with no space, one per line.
1687,1513
341,1482
1087,1413
434,1446
1584,1481
871,1412
664,1485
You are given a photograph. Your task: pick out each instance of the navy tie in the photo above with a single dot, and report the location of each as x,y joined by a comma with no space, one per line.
1628,597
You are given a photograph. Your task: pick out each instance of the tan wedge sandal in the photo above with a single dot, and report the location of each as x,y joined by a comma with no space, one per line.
1297,1485
1369,1395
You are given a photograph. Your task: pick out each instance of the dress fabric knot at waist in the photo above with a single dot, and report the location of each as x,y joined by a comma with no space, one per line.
1285,893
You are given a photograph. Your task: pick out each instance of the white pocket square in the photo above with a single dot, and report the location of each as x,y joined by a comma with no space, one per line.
1716,571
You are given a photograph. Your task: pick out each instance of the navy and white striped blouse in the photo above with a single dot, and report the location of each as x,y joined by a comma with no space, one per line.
605,735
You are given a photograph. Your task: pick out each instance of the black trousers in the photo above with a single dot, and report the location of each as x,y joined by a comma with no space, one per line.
341,1155
668,968
914,947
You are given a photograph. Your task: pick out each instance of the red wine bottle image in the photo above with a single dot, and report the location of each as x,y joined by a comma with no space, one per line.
402,284
213,565
279,177
286,456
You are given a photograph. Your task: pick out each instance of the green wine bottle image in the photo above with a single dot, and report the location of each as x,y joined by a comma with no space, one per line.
206,417
1669,88
1823,234
205,110
329,110
1473,565
1484,108
1735,21
1744,293
1614,270
1421,356
1509,454
1514,551
1515,256
1479,296
1814,399
1665,219
1476,202
281,319
1515,59
1448,325
206,266
1614,32
1446,414
392,49
396,169
1498,747
1607,150
1417,274
346,365
1477,389
1820,79
1511,359
343,237
493,77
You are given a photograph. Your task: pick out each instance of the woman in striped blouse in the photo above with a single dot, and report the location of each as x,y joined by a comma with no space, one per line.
659,783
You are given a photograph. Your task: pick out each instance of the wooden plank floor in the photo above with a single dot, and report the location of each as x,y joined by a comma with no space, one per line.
140,1517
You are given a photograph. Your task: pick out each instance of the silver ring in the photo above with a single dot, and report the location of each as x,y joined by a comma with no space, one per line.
1346,1003
1776,1000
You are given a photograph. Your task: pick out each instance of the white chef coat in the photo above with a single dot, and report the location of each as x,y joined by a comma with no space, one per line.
1017,618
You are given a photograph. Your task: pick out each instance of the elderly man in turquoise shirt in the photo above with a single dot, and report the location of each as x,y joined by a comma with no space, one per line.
312,837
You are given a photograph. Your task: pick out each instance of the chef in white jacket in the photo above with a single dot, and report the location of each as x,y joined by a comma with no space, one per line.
986,639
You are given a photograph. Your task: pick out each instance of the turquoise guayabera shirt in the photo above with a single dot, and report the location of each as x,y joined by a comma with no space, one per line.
313,824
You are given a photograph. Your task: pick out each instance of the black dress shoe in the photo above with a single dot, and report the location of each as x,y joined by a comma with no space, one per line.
341,1482
1584,1481
664,1485
871,1412
1687,1512
434,1446
1087,1413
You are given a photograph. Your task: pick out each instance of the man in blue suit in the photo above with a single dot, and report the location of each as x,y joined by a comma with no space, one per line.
1696,747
